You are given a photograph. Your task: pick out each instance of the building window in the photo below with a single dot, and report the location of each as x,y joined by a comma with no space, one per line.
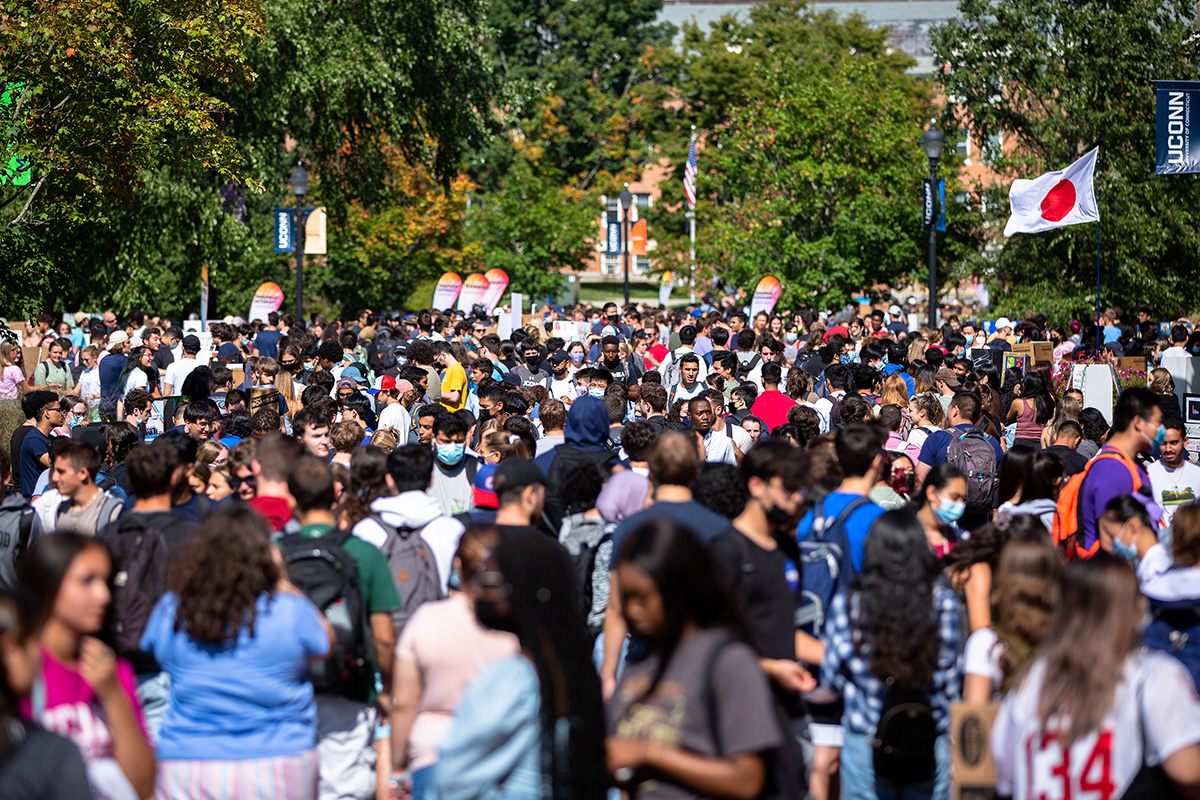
611,265
993,148
962,145
641,265
643,200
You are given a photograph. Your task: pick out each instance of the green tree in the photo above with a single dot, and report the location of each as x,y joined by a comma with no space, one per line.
534,226
1056,78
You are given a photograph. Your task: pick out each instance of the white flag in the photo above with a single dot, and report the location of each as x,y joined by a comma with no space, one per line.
1054,200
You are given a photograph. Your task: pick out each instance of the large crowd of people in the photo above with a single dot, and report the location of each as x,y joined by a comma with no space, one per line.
670,553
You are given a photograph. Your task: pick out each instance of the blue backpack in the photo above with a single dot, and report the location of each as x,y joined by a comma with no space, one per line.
1175,629
825,565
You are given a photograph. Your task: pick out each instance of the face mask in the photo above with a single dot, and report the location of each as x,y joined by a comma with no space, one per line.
846,359
980,341
1125,552
450,454
455,581
581,391
902,483
779,518
309,366
577,357
597,393
71,423
790,337
950,511
533,360
1160,438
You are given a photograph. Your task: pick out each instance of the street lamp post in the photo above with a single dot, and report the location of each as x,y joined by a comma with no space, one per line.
932,141
299,182
626,201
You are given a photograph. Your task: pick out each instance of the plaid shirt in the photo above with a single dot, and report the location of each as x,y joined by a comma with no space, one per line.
848,672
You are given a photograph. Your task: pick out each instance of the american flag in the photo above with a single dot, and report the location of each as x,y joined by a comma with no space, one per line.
689,174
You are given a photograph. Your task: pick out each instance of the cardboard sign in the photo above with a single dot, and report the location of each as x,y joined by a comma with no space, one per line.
31,357
1038,351
974,773
263,397
1132,362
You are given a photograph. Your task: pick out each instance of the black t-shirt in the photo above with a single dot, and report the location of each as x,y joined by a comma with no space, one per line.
14,451
44,766
1074,462
757,578
163,358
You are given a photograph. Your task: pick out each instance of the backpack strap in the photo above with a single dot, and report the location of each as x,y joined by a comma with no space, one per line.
1074,548
24,532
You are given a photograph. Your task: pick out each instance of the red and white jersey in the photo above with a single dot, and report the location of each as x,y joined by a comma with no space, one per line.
1032,765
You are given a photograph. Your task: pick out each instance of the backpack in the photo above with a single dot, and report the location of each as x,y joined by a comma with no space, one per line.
1175,629
322,569
1065,530
825,565
583,545
413,569
139,556
785,768
972,453
903,747
746,365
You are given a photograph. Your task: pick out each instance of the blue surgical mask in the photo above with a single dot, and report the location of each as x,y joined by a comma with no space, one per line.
597,393
450,454
1125,552
1160,438
950,511
309,366
455,581
581,391
74,421
577,357
846,359
791,337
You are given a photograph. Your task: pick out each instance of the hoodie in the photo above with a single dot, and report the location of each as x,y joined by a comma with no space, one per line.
587,425
586,435
419,511
1043,509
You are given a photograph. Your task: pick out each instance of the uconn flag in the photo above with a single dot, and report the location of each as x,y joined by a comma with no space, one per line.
1177,151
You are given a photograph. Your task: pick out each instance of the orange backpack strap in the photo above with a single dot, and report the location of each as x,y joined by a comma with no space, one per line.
1065,531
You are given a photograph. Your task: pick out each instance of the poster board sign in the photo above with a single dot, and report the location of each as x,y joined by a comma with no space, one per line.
986,356
1038,351
974,773
162,415
1020,361
31,357
1096,381
569,330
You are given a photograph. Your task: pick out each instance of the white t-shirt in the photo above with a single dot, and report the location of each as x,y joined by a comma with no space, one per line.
396,416
137,380
1157,695
177,373
1174,487
981,656
1175,352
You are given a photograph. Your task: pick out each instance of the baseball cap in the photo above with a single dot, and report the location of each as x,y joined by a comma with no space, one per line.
80,317
136,342
191,343
608,330
385,383
483,490
559,356
517,473
118,337
367,334
842,329
346,383
1003,322
895,310
353,374
511,379
948,376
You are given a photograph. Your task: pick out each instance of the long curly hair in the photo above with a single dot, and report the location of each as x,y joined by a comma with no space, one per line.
894,594
224,568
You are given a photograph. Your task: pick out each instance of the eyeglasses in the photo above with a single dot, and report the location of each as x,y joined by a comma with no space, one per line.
236,483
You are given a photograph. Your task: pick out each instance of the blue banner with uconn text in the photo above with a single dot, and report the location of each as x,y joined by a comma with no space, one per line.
1177,152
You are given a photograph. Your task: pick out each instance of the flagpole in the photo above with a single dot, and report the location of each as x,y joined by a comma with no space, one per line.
1099,332
691,215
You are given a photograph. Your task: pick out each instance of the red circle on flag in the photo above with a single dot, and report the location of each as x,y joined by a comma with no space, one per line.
1059,201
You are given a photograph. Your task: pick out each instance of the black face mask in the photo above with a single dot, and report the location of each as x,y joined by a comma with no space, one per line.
533,360
780,518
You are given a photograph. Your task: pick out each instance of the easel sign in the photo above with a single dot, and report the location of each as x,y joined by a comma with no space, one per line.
1018,361
1096,381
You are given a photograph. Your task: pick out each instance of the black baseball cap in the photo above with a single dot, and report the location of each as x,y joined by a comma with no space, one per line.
517,473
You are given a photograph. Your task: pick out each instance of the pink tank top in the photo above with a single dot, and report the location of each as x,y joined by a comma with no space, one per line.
1027,426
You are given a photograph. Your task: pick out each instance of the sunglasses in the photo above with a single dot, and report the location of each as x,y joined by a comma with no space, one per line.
236,483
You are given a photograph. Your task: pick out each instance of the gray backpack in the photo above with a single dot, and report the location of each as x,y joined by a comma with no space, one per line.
413,569
972,453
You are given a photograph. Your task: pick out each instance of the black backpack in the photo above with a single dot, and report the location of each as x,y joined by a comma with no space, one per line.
139,556
325,572
972,453
785,766
902,749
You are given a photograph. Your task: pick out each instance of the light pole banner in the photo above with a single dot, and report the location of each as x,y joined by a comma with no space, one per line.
446,291
285,231
314,232
204,297
665,288
473,290
613,240
268,298
497,282
1176,152
766,295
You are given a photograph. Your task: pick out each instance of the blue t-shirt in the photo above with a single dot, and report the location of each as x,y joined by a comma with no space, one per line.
249,699
110,373
36,444
858,524
230,350
267,343
933,452
703,522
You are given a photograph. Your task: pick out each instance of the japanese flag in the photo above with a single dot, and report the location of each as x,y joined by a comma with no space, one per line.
1054,200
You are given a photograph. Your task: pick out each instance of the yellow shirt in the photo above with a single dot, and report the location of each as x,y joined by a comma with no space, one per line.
455,381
